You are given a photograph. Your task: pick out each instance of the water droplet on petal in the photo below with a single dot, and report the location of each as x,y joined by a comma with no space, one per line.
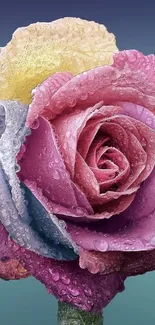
88,292
56,175
65,279
44,151
74,292
139,109
68,134
75,282
14,216
101,246
128,242
54,274
149,121
35,124
7,222
152,241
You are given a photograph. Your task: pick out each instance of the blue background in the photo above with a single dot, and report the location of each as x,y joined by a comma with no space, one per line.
26,302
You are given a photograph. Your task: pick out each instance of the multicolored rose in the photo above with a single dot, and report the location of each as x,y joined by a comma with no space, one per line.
77,154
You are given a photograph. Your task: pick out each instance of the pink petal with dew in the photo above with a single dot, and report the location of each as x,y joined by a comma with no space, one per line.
72,212
67,130
43,164
87,181
136,235
65,280
130,78
43,93
90,131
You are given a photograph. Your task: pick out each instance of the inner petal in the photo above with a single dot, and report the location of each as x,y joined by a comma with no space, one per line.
108,164
67,130
130,146
93,125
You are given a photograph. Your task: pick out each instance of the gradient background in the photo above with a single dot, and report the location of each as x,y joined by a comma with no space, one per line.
26,302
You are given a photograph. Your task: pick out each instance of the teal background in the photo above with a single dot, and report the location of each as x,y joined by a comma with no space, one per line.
26,302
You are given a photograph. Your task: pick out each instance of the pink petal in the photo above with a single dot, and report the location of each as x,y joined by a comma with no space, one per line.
117,163
43,94
130,78
67,129
86,179
128,144
81,199
43,164
143,204
89,132
146,137
65,280
135,235
71,212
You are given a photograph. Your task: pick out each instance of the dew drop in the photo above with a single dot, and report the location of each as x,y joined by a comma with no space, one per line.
101,246
152,241
35,124
56,160
128,242
139,109
54,274
68,134
7,222
74,292
65,279
14,216
80,211
28,256
149,121
44,151
88,292
50,164
56,175
75,282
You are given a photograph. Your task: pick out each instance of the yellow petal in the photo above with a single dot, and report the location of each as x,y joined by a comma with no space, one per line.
39,50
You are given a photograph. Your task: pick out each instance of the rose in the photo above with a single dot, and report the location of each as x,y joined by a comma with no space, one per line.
90,155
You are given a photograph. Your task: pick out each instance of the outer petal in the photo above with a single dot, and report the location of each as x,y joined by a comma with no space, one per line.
66,281
39,50
14,210
143,204
44,168
120,234
42,163
130,78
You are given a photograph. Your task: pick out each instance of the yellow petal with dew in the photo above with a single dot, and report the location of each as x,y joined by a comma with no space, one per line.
41,49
